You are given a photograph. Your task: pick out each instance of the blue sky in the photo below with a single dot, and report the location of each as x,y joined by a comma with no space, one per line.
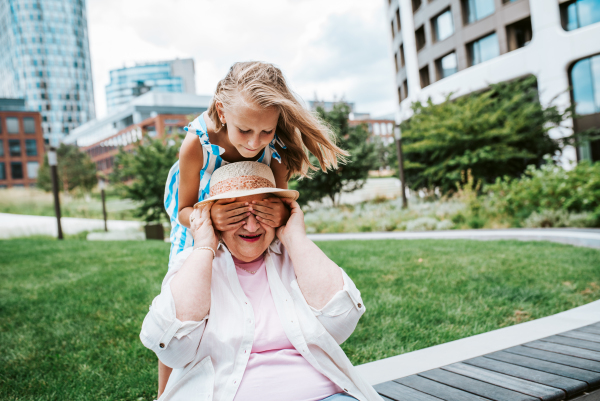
331,48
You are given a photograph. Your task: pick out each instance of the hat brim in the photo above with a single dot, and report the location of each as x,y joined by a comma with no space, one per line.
281,193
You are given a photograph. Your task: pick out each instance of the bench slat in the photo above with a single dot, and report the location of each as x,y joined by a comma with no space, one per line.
570,386
565,349
556,358
582,335
399,392
573,342
475,386
591,378
437,389
541,391
590,329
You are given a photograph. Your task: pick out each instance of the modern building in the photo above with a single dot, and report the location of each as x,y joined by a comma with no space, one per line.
456,47
327,105
159,126
175,76
45,59
379,128
21,144
153,114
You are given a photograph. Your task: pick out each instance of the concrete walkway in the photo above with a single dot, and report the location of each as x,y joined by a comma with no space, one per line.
18,225
579,237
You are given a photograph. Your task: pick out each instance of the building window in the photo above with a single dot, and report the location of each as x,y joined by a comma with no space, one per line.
401,55
416,4
443,26
398,25
475,10
579,13
1,148
29,125
483,49
447,65
420,37
519,34
31,147
405,88
2,171
585,81
14,146
424,75
16,170
12,125
32,169
393,30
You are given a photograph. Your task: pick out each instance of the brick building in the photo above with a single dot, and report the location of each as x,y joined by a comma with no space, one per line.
21,144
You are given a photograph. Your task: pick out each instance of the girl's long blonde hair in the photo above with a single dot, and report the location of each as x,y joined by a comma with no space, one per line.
298,128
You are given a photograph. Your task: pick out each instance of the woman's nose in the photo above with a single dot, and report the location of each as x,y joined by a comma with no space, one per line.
251,224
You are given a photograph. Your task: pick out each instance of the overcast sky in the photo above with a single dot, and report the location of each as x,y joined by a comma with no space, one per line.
331,48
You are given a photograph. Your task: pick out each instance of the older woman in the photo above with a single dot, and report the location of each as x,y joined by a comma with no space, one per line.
253,317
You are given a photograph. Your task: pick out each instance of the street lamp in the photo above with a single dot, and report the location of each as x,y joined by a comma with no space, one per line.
398,138
102,185
53,163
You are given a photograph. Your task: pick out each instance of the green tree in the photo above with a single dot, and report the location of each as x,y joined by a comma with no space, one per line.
349,176
140,175
75,170
495,133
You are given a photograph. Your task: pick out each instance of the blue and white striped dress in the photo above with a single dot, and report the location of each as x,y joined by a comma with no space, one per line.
181,236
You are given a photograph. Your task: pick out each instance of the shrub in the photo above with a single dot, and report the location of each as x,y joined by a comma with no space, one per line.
559,218
548,188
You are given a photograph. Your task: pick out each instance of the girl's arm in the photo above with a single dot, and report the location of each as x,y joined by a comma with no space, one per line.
191,161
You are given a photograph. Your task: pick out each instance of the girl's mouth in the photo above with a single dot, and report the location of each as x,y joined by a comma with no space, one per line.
251,238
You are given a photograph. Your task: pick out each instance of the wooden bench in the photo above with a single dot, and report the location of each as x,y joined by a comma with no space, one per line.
565,366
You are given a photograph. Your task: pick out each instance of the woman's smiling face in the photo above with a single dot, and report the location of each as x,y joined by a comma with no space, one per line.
252,239
250,127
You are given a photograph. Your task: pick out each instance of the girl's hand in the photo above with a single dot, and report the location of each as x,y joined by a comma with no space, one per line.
270,211
294,229
228,214
202,227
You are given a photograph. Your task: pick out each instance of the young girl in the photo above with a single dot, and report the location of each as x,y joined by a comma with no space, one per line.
253,116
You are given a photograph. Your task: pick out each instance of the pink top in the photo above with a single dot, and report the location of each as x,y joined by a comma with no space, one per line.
276,370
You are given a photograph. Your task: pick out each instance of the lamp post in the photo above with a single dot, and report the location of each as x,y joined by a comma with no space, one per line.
101,185
398,138
53,163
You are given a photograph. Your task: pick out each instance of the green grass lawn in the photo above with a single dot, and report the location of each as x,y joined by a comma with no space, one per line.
71,312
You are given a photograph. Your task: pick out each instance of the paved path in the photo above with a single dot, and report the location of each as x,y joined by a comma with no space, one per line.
18,225
580,237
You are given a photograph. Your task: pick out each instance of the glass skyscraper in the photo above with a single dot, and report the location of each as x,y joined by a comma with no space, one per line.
45,59
162,76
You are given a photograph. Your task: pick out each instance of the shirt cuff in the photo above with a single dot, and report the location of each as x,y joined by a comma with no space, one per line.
343,301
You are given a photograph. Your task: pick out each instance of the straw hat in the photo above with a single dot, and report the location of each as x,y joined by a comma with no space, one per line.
239,179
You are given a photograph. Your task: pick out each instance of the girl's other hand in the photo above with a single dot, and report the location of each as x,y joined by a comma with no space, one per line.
271,211
202,227
228,214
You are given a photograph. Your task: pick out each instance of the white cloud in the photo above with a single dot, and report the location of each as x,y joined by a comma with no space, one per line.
331,48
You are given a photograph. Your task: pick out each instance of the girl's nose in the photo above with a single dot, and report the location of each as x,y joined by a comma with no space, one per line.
254,142
251,224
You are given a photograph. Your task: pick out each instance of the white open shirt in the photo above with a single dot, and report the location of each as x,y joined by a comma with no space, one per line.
209,357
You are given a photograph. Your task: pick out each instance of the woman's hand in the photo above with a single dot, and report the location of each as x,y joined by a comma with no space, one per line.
294,229
270,211
202,227
227,214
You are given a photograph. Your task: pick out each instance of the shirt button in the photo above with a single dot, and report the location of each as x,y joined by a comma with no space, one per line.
359,306
161,345
346,390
